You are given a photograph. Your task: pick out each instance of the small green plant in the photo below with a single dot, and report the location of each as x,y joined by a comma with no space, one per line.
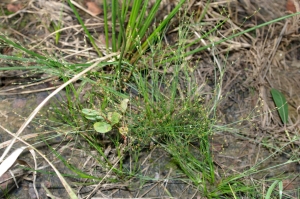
57,26
104,122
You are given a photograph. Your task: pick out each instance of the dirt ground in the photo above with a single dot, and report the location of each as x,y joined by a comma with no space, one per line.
266,58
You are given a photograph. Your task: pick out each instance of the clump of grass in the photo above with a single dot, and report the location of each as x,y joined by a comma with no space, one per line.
170,113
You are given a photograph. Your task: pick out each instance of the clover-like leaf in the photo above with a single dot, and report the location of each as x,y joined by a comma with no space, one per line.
102,127
124,105
114,117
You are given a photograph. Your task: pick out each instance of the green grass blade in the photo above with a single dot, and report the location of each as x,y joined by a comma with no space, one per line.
21,68
85,29
114,24
271,188
281,104
15,45
122,18
122,34
22,59
131,30
150,40
105,24
280,187
142,23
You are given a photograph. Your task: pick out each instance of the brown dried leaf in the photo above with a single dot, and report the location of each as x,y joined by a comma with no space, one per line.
14,7
291,6
289,184
93,8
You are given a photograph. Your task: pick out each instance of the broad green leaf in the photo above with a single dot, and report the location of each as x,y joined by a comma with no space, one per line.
114,117
281,105
123,105
93,118
90,112
99,117
102,127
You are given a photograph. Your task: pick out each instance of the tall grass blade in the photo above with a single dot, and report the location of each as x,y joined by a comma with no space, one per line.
271,188
105,24
154,35
114,24
15,45
84,28
280,187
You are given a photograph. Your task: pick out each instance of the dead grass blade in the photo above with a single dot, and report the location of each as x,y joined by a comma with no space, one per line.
34,172
24,137
18,152
11,159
